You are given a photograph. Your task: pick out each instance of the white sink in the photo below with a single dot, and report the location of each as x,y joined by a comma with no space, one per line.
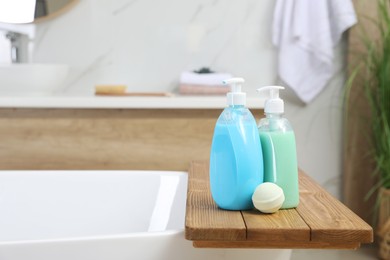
99,215
31,79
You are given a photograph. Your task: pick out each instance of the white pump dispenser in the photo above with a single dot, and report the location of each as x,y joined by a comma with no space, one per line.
274,104
235,97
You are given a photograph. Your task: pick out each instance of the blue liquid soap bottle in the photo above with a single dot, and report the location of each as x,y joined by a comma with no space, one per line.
236,161
279,149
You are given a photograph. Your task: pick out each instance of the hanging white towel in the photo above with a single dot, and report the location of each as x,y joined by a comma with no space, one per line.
305,32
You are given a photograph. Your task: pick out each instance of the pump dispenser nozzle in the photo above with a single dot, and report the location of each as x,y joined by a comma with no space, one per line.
235,97
273,104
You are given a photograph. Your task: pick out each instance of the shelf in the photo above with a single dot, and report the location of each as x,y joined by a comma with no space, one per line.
109,102
320,220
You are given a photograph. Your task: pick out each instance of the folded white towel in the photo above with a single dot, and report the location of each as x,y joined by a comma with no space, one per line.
305,32
209,79
190,89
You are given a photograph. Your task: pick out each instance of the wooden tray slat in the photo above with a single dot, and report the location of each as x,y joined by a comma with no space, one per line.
328,218
282,225
204,220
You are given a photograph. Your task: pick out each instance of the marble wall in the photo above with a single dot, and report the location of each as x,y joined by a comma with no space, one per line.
146,44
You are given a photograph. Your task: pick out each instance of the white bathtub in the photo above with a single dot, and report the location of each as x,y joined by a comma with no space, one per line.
107,215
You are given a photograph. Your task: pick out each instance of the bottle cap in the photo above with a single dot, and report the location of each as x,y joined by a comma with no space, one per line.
235,97
273,104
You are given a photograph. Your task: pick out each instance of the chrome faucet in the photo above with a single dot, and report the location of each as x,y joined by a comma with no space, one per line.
18,46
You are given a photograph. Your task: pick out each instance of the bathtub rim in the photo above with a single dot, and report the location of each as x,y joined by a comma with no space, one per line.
96,238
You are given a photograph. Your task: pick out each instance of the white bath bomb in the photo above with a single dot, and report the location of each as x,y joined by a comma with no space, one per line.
268,197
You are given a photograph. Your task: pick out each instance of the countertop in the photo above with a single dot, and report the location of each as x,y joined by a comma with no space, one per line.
118,102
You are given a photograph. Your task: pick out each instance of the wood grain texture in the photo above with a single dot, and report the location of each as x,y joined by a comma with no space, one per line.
319,221
139,139
274,244
329,219
284,225
203,218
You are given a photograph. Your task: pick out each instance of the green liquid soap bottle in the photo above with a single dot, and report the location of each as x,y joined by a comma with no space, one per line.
279,148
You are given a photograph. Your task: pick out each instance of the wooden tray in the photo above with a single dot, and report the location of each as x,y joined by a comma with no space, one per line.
320,220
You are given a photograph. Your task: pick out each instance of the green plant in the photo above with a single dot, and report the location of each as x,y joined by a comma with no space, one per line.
373,72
